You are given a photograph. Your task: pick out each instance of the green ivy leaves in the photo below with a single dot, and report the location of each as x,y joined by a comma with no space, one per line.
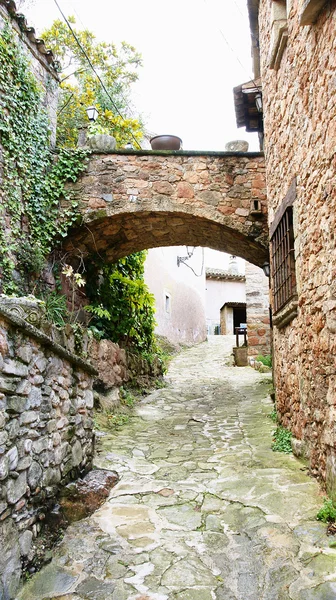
32,218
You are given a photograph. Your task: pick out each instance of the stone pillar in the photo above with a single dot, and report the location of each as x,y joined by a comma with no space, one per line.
257,309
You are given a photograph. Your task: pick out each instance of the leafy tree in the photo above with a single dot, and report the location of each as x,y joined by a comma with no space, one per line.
81,88
121,304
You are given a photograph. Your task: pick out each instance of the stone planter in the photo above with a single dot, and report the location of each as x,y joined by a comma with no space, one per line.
237,146
101,142
166,142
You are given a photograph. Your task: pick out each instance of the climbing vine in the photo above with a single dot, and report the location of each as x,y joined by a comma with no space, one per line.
34,181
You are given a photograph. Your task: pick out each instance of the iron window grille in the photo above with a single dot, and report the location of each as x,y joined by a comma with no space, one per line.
283,261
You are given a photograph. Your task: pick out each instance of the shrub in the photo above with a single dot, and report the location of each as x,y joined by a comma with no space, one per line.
327,514
265,360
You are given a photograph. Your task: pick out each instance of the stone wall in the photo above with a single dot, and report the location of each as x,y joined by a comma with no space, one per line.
135,200
257,310
46,433
300,133
116,367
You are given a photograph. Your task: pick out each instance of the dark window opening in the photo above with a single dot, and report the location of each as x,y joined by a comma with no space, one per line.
239,317
167,303
283,261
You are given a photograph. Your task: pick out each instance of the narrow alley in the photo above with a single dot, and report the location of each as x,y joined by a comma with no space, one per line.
204,509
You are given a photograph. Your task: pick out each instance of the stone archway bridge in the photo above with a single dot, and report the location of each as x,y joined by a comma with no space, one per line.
134,200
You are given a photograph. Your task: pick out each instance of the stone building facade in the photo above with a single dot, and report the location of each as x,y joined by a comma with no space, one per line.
257,311
297,64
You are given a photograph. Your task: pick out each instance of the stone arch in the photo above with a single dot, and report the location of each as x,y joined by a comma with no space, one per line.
137,200
125,233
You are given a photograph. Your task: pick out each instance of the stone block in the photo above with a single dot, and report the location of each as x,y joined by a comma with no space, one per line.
34,398
88,398
3,438
8,384
34,475
23,388
13,458
17,488
24,463
25,542
51,476
25,353
4,467
41,364
10,563
14,367
185,190
16,404
29,416
77,453
240,356
209,197
13,429
51,425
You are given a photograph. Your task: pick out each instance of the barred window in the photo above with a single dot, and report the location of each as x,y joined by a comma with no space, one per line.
283,261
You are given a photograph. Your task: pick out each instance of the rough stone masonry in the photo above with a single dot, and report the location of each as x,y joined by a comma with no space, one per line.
132,201
46,431
300,132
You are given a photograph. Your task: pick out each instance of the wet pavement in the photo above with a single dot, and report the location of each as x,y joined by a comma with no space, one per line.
204,509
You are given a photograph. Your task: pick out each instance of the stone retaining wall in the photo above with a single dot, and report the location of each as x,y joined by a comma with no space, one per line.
46,434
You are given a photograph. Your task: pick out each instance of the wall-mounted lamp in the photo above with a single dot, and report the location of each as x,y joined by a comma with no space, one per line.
92,113
259,102
266,268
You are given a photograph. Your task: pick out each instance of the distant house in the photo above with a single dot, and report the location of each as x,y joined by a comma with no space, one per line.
225,300
193,301
179,292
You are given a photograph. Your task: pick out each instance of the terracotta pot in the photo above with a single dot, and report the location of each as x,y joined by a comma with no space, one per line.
166,142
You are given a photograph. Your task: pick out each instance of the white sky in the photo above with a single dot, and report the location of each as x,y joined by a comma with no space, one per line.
185,85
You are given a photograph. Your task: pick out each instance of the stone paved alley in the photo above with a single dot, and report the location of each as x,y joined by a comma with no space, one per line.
204,509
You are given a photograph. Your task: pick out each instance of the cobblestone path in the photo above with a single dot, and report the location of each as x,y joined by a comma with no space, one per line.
204,510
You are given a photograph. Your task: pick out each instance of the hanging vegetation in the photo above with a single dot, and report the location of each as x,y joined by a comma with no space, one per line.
121,305
33,182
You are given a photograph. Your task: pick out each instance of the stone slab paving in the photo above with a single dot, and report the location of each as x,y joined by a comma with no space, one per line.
204,510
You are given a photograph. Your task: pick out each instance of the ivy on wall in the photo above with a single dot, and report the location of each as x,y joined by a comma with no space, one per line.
31,216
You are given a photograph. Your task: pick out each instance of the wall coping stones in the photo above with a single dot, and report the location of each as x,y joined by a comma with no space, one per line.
182,153
45,340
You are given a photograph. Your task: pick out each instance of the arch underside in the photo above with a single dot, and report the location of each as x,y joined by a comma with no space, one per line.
122,234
